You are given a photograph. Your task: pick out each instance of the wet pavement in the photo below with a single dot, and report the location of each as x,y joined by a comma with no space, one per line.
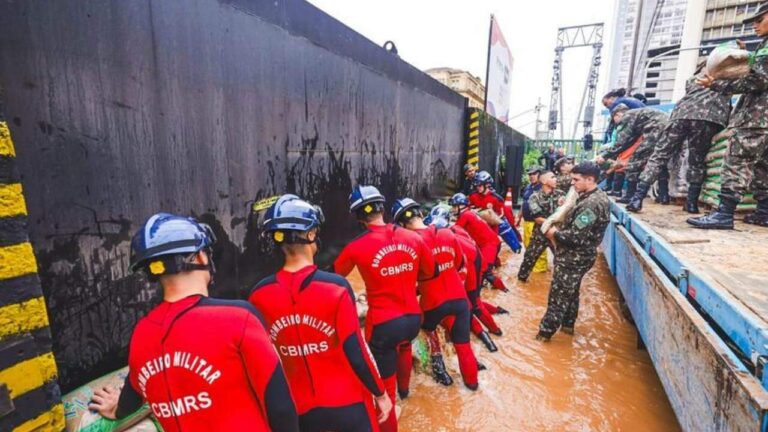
596,380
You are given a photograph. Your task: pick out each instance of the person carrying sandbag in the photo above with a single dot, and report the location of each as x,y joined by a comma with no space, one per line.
697,117
631,125
748,141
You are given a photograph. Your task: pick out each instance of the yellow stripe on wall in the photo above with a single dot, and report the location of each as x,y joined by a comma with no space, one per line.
475,125
29,375
52,420
22,317
474,115
12,201
474,133
6,145
473,160
17,260
474,142
473,151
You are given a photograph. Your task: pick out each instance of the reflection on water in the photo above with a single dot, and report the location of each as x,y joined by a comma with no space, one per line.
596,380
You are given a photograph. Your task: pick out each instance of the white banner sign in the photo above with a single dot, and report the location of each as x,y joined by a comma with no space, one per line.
498,74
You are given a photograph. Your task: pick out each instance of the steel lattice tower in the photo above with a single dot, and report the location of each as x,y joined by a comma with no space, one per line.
574,37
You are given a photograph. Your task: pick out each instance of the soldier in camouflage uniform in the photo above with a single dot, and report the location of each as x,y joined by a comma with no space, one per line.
645,122
564,166
576,250
541,204
748,142
697,117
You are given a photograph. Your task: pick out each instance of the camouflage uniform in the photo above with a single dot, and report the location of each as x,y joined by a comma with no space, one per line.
698,117
564,182
748,142
541,204
577,243
646,122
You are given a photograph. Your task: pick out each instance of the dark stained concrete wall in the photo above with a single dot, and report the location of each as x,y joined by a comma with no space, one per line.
123,108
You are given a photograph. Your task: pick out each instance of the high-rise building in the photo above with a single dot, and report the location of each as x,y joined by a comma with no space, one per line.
643,27
462,82
723,20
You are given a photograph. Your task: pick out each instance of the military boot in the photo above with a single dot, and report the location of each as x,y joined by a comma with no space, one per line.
759,217
438,370
663,196
722,218
663,181
692,201
485,338
636,203
631,189
618,184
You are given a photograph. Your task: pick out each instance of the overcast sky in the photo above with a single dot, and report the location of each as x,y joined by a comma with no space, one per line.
454,33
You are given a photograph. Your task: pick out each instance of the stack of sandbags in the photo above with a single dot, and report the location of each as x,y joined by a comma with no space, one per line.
80,419
715,159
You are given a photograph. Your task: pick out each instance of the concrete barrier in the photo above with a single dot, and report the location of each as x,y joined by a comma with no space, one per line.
122,108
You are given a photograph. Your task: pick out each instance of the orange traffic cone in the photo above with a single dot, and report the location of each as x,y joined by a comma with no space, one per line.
508,199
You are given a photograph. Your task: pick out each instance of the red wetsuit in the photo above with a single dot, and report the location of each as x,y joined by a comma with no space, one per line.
494,201
444,298
472,272
203,364
487,240
312,320
391,260
447,253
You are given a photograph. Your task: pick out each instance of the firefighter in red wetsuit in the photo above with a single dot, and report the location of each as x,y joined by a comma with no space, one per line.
487,240
471,276
200,364
443,298
390,260
485,197
312,320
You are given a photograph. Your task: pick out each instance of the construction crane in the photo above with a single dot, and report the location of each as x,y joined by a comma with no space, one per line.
574,37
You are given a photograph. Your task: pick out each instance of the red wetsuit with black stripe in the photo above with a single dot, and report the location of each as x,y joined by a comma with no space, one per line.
203,364
312,320
445,249
444,298
494,201
391,261
472,274
483,235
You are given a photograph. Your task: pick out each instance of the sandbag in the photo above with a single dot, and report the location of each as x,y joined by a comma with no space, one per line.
716,155
728,61
561,213
490,217
80,419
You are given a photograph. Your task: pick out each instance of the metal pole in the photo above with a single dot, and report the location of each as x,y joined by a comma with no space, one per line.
635,39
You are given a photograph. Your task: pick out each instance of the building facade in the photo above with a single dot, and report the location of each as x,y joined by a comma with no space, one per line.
462,82
660,25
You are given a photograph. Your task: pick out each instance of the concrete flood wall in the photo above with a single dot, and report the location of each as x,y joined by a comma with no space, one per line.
123,108
495,147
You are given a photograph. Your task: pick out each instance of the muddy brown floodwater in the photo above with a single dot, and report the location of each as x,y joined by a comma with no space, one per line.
596,380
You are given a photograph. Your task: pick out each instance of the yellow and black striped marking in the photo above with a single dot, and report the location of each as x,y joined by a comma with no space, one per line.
27,368
473,143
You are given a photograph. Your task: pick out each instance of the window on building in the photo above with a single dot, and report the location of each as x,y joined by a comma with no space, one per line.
653,75
651,85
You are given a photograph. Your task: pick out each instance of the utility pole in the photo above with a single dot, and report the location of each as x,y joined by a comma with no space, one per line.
539,106
635,40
